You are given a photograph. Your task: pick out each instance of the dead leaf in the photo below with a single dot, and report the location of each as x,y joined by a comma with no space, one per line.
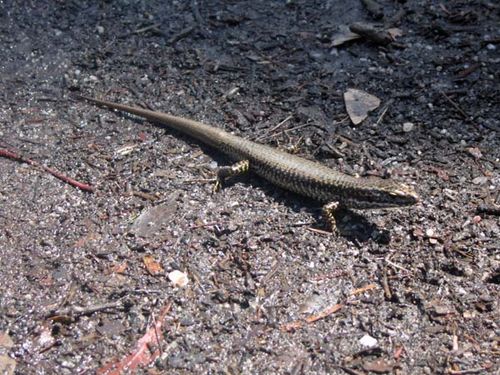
118,268
152,266
47,281
441,173
395,32
146,351
82,241
5,341
358,103
7,365
475,152
153,220
379,366
343,35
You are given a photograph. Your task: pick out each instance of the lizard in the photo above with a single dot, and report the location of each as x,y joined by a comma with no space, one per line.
305,177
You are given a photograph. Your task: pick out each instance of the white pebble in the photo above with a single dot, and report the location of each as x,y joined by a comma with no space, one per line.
408,127
178,278
368,341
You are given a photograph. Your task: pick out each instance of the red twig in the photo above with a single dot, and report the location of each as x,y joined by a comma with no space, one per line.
12,155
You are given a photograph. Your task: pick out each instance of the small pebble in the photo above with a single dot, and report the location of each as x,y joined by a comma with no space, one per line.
480,180
408,127
368,341
178,278
68,364
316,55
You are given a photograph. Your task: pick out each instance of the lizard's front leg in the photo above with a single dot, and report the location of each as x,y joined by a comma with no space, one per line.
230,171
329,214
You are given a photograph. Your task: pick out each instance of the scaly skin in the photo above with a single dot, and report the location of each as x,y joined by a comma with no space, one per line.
288,171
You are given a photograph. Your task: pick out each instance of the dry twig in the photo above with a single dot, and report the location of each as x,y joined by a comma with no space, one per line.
14,156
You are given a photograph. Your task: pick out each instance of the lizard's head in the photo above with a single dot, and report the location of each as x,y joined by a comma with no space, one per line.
379,193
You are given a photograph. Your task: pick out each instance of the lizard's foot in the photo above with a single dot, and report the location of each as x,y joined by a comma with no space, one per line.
329,214
223,173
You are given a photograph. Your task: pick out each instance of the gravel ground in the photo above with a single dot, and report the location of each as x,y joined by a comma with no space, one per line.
87,276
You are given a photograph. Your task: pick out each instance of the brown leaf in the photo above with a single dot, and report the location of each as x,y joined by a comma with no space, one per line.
7,365
118,268
47,281
153,267
442,174
380,366
5,341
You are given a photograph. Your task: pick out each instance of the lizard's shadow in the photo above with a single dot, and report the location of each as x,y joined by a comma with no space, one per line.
350,224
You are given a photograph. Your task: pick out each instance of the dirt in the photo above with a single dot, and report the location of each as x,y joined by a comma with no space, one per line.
85,275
